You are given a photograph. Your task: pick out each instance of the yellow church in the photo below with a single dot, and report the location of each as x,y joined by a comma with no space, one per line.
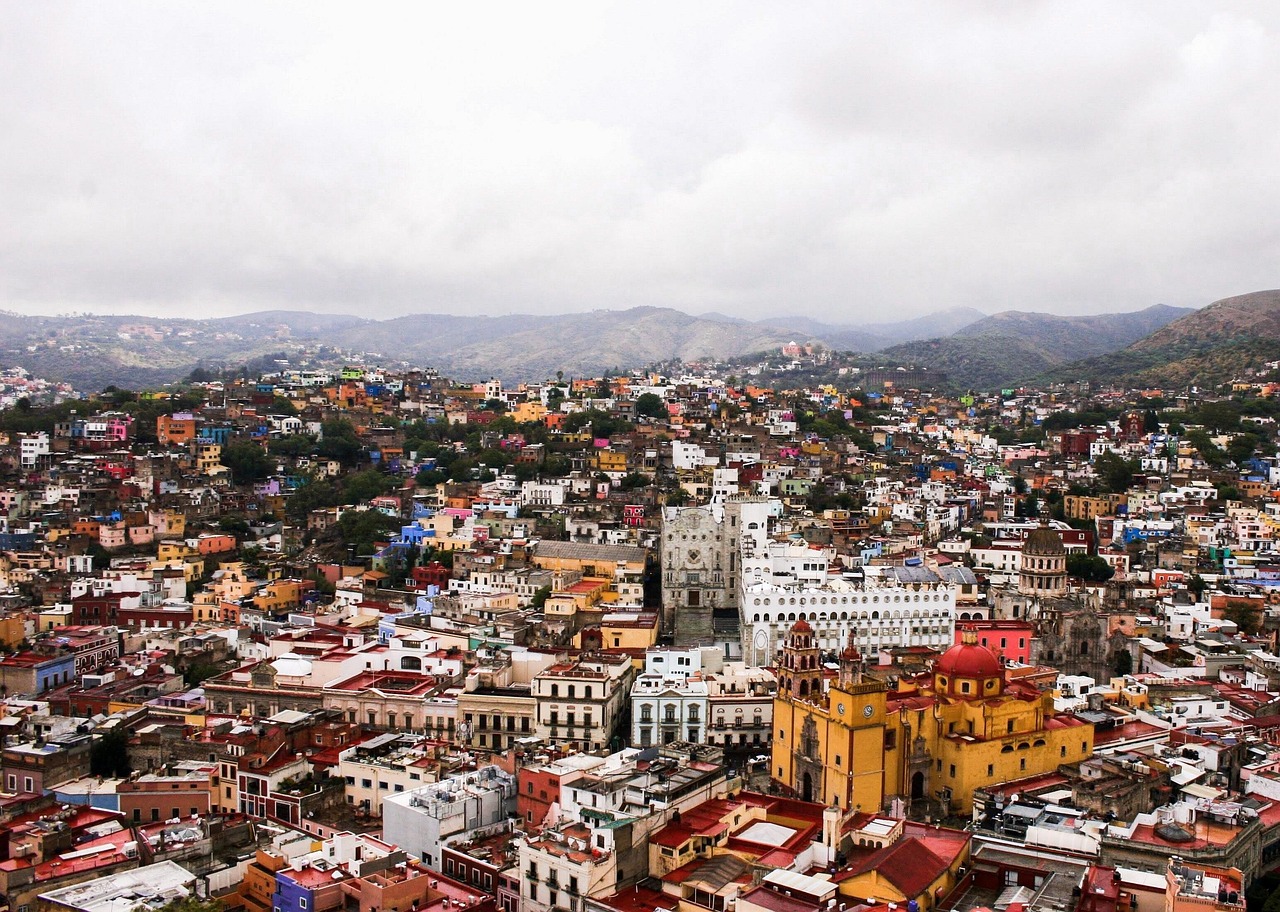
935,737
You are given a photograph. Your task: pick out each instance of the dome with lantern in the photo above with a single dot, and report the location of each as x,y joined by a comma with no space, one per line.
968,670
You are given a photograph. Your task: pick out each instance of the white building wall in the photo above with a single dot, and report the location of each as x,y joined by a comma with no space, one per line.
879,618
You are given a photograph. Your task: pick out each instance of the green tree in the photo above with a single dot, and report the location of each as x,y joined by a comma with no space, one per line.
540,597
339,441
293,445
1114,472
1244,614
234,524
1124,663
198,672
100,555
1089,567
556,467
361,528
650,405
311,496
109,755
366,485
1209,451
602,424
281,406
1218,417
247,461
1242,447
1272,903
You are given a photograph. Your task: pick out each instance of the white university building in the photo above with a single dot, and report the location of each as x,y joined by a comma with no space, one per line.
782,582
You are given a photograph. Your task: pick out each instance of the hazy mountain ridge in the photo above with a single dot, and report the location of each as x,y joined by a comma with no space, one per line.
870,337
975,350
1211,345
1014,346
587,344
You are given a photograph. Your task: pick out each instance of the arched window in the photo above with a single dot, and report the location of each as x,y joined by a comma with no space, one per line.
410,663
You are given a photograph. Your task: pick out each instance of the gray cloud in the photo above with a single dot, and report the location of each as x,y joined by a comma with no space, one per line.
845,161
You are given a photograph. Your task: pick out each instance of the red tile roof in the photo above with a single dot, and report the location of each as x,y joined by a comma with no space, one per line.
908,864
775,902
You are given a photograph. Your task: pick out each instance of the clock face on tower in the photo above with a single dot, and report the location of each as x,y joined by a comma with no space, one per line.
868,710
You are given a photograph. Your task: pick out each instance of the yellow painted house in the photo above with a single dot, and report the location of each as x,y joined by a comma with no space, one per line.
280,595
206,606
13,630
628,631
920,864
529,412
611,461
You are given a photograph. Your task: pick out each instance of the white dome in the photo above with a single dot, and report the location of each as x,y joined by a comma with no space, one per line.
292,666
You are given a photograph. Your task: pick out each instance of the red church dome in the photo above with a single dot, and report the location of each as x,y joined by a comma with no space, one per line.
968,660
801,626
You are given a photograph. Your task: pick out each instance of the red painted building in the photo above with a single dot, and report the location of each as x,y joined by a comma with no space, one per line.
1011,640
539,789
170,616
89,609
1077,443
433,574
93,647
152,798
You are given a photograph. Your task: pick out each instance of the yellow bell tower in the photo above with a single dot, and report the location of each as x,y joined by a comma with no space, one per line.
828,746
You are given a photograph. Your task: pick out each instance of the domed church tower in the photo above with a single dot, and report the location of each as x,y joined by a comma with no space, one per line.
1043,571
800,668
851,664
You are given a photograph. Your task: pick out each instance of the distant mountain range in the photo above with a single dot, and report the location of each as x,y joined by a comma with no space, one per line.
1158,344
1212,345
1014,346
93,351
873,337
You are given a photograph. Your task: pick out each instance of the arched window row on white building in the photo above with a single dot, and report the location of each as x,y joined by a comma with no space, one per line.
877,621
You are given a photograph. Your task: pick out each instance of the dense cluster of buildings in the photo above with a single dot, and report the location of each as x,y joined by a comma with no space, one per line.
638,643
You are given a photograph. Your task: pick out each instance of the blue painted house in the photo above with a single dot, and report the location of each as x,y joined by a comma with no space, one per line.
33,673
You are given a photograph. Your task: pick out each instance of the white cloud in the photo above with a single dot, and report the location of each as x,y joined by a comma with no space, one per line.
846,161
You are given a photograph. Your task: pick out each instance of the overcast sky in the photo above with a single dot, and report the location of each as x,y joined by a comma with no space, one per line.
847,161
